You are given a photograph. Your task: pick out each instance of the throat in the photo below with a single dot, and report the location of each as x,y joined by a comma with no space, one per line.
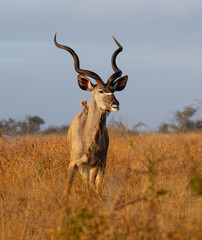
96,121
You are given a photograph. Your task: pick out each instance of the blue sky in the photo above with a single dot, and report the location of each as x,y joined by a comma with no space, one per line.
162,41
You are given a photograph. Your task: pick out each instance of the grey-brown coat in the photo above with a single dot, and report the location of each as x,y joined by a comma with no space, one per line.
87,136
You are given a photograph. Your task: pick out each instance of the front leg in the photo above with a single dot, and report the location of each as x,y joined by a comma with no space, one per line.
72,169
85,173
93,175
99,179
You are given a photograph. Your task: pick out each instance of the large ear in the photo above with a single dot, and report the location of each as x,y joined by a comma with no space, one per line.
84,83
120,84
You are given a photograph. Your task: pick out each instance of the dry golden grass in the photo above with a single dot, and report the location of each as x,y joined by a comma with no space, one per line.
151,190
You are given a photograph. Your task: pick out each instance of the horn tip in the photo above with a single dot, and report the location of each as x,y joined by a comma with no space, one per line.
114,38
118,44
55,41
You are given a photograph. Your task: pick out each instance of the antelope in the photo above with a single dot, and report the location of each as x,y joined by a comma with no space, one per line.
87,137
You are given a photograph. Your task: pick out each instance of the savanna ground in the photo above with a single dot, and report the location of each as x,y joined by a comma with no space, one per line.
152,189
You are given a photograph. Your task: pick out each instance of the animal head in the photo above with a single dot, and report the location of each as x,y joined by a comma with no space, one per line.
103,93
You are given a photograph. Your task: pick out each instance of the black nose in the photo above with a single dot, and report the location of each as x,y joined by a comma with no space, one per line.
116,103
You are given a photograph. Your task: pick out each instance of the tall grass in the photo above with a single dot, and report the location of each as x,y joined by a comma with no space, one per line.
152,189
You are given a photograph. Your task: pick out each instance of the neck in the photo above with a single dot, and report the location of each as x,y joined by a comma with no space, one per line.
95,126
96,116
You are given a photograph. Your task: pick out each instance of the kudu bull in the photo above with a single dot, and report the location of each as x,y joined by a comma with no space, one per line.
87,136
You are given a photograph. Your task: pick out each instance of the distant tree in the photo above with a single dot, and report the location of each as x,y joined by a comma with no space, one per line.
8,127
183,121
28,125
199,125
116,125
123,128
23,127
34,123
135,128
164,128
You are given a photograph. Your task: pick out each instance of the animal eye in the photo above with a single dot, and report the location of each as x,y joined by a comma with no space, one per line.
100,91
